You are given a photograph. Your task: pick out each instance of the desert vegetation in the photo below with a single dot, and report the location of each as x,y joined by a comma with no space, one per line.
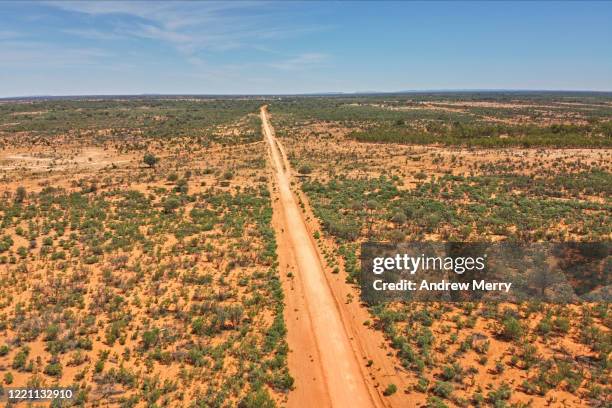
521,120
138,258
524,168
145,274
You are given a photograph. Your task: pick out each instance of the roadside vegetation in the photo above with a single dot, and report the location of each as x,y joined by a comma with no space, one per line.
465,168
150,278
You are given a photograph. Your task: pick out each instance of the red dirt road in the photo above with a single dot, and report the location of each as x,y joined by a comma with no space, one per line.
343,379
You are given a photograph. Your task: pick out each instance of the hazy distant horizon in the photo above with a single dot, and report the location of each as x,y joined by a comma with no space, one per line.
331,93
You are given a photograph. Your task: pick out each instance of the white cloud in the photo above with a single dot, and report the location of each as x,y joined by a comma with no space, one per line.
156,33
302,61
191,27
202,33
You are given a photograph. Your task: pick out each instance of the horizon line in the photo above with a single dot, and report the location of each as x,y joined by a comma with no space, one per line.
323,93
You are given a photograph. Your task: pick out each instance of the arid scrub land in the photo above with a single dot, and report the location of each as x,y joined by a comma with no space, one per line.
456,167
148,256
138,263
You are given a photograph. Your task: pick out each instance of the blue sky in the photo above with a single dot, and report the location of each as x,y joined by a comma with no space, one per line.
114,47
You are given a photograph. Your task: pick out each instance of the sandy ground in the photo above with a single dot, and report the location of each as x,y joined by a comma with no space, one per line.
43,161
343,378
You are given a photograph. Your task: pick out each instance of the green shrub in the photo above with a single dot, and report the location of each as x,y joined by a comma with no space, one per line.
435,402
170,204
443,389
53,369
562,324
19,361
503,393
422,385
511,329
150,338
257,399
390,390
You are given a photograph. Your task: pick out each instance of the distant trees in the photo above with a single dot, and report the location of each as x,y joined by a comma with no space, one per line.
487,134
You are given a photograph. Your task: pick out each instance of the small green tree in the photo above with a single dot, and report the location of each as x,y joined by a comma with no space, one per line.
170,204
399,218
150,160
305,169
542,276
20,194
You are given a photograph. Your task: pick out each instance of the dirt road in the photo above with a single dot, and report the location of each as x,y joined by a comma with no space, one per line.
343,379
